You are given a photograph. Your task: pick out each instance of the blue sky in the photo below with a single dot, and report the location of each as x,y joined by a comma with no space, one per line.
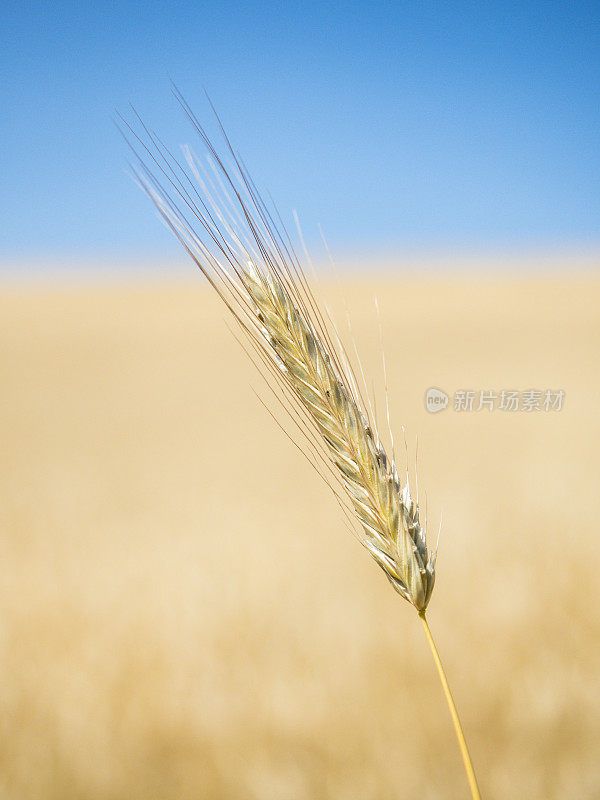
396,126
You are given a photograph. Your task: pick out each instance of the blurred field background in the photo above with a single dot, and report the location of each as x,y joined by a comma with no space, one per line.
183,614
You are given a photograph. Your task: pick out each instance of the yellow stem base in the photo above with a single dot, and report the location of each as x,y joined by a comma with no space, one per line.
454,713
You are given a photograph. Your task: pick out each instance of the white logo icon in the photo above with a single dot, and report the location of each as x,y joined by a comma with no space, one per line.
435,400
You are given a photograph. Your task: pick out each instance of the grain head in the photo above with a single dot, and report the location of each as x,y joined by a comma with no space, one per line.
245,252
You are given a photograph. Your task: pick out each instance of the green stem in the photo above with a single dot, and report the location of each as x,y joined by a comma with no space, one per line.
454,713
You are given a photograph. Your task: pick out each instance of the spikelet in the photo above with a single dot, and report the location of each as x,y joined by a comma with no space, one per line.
388,516
249,260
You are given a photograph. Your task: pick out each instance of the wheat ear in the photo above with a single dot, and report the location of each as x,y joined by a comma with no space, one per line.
227,229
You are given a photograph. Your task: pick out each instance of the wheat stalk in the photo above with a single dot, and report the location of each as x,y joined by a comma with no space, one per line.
223,223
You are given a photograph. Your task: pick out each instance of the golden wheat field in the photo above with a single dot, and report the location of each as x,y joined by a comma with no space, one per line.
183,613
